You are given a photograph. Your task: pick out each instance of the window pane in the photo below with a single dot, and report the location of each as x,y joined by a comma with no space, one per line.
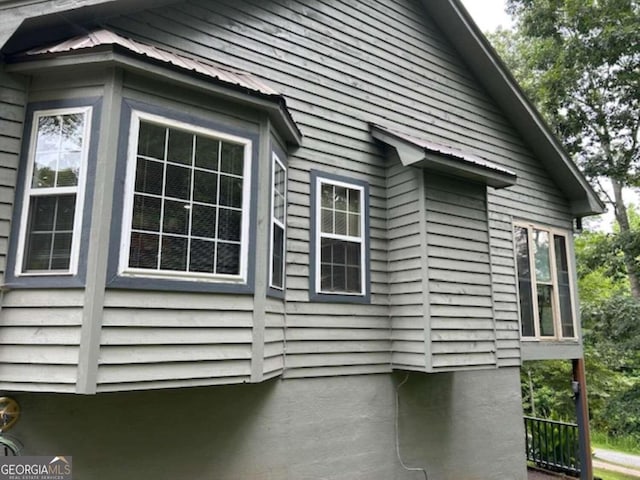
143,252
202,256
207,151
203,222
178,182
205,188
151,140
277,262
326,220
229,224
354,225
180,147
173,255
340,199
176,217
232,158
545,310
564,287
543,266
327,195
524,281
146,213
149,176
340,223
228,259
230,191
68,169
49,234
44,170
354,201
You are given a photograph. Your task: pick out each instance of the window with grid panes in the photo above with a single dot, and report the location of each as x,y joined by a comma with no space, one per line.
187,199
340,228
278,222
50,230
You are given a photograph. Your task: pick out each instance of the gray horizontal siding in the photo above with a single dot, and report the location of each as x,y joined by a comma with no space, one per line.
39,340
460,300
158,340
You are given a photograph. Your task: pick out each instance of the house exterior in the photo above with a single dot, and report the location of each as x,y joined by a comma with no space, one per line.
276,240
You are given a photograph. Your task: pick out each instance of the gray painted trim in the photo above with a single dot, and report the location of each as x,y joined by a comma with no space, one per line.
424,261
149,283
280,152
492,278
99,239
314,295
55,281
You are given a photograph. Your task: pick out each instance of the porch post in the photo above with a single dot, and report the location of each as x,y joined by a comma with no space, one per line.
582,413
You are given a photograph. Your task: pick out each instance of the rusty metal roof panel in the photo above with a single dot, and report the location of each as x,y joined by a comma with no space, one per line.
103,37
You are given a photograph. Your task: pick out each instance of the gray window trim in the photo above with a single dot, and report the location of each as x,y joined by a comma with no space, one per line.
52,280
114,280
314,294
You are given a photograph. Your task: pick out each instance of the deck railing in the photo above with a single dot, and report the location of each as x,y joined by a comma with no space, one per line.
553,445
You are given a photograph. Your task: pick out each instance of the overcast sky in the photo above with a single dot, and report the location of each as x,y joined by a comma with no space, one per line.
488,14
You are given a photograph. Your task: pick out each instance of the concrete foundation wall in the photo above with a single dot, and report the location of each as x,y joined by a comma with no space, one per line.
464,425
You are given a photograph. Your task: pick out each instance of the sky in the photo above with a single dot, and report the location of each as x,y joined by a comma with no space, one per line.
488,14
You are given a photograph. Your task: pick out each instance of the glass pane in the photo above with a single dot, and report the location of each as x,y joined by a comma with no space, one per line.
340,198
174,254
202,256
326,221
44,170
353,254
42,213
277,262
203,222
564,287
354,283
178,183
61,253
354,201
180,147
543,265
68,169
38,251
232,158
205,188
279,179
230,191
149,176
151,140
524,281
176,217
48,134
354,225
340,223
143,252
71,130
65,212
228,259
278,210
207,151
229,224
545,310
327,195
146,213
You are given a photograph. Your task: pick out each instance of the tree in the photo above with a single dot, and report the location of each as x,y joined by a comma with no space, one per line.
579,61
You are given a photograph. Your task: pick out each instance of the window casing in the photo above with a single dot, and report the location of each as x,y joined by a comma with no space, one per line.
278,223
55,181
545,283
340,210
186,208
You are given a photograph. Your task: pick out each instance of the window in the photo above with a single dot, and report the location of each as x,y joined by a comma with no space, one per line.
49,238
278,222
544,283
186,202
340,208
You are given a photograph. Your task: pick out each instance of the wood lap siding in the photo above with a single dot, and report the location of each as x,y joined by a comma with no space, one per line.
460,292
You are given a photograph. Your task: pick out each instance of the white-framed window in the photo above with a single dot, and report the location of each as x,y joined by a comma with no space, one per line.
51,220
545,282
340,247
278,223
186,205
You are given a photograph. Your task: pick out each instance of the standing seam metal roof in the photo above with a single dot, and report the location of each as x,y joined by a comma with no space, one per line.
102,37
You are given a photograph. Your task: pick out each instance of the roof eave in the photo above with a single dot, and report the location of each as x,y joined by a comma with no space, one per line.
490,71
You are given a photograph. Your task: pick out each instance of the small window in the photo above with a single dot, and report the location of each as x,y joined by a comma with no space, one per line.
278,223
341,237
544,283
187,200
49,239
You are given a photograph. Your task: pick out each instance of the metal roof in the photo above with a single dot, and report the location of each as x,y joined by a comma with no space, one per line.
103,37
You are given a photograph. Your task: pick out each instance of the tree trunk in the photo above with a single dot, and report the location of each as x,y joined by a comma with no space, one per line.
623,222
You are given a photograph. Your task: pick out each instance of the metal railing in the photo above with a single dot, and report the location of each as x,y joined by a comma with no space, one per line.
553,445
